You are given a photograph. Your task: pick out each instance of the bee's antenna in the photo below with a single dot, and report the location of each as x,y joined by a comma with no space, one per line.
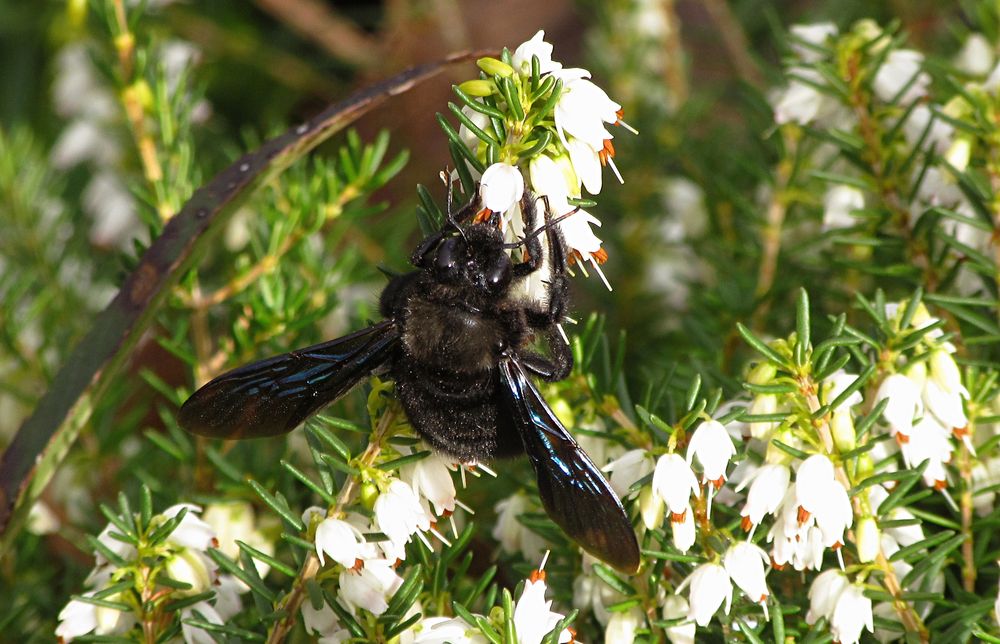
445,177
541,229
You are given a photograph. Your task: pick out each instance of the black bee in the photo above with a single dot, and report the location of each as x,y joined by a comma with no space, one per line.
455,340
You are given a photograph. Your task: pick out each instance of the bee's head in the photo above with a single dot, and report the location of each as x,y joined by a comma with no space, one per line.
472,256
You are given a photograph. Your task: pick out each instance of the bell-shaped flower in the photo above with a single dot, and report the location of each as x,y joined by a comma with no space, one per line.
123,549
763,404
583,108
79,618
839,203
713,448
430,478
537,46
651,509
745,563
320,621
467,136
342,542
370,587
513,535
623,624
191,532
627,469
902,68
399,515
202,611
710,587
683,529
851,614
674,482
801,102
236,520
929,441
767,489
824,593
946,406
189,566
904,404
811,480
676,607
586,163
501,186
806,38
533,614
446,630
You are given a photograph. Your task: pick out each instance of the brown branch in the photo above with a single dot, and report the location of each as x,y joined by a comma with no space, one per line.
674,74
316,21
771,234
735,42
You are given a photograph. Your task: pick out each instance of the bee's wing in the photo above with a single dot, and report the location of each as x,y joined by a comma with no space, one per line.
273,396
573,490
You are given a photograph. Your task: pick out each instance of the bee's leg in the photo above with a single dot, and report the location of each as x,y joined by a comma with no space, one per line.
554,368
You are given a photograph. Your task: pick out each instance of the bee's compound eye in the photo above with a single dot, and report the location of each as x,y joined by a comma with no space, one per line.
447,260
497,276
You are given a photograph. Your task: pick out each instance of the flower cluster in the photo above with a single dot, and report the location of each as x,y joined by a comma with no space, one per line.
533,125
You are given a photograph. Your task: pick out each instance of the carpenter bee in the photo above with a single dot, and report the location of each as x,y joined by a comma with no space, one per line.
455,339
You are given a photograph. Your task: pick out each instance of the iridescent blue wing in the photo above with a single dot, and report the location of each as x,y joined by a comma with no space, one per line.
572,489
275,395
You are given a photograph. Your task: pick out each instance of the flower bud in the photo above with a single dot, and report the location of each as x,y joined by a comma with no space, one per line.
959,152
495,67
762,373
189,567
945,372
478,87
651,508
868,539
369,494
842,426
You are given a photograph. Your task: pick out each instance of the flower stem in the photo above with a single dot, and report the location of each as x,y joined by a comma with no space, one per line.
292,602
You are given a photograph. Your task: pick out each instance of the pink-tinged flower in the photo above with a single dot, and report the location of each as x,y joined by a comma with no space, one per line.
675,607
370,587
851,614
533,614
904,404
627,469
535,47
399,515
767,489
342,542
745,563
501,186
901,67
711,444
683,529
674,482
710,586
430,478
824,593
583,108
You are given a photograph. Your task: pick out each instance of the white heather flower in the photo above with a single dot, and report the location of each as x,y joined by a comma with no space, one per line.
430,478
675,607
824,593
801,102
535,47
851,614
533,615
929,441
922,119
710,586
977,55
41,519
813,475
820,495
586,163
763,404
446,630
191,567
583,108
627,469
623,625
112,207
370,587
838,204
713,447
946,406
501,186
683,529
78,618
319,621
467,136
868,539
903,406
343,542
767,489
684,201
84,140
901,67
513,535
590,593
122,549
191,532
674,482
817,34
745,563
399,515
202,611
651,510
235,520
